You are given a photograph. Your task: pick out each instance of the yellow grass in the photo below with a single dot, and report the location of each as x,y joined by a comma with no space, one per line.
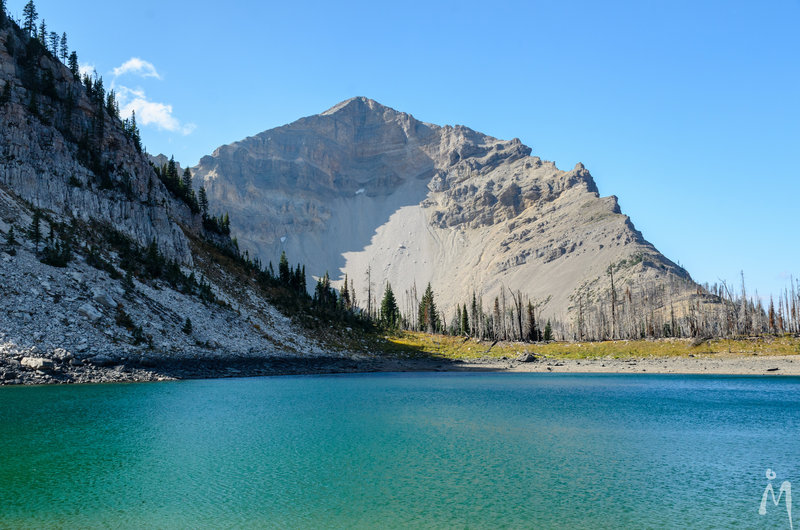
416,344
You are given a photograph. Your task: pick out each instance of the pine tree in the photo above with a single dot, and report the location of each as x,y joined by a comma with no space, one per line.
137,140
772,326
390,314
323,294
35,231
532,332
283,269
29,16
548,332
11,241
64,50
474,315
42,36
111,104
428,316
464,321
301,286
74,67
346,303
152,260
203,200
186,181
54,43
187,326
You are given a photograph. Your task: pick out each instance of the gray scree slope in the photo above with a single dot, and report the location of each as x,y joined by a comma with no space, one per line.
364,186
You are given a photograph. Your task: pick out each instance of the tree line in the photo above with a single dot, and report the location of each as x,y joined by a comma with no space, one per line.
674,307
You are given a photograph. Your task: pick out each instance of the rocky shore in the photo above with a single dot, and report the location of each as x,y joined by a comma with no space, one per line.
30,370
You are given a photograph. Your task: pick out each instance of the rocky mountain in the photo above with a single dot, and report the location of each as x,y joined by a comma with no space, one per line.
106,274
362,187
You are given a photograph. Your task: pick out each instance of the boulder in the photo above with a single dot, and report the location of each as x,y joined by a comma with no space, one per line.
37,363
90,312
104,299
527,358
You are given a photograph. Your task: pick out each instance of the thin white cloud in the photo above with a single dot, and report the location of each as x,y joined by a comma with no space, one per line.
150,112
137,66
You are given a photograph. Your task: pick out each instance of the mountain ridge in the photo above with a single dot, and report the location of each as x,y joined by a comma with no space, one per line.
363,186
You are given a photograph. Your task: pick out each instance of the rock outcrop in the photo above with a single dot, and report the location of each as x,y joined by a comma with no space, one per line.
362,187
85,295
63,151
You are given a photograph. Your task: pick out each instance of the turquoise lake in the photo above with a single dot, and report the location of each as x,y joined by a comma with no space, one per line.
401,450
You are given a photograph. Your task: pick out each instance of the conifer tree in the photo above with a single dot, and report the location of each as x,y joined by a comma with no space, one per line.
187,326
137,141
54,43
390,314
186,181
74,67
548,332
532,332
35,230
323,294
345,294
152,260
11,241
111,104
42,35
203,200
464,321
428,316
283,269
474,314
29,16
63,49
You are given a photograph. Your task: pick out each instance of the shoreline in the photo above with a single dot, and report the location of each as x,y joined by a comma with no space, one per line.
215,368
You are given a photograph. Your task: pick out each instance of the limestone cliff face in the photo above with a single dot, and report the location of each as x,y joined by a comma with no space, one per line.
55,142
362,186
78,302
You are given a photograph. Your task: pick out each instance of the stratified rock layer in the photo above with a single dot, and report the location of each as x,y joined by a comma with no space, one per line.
364,186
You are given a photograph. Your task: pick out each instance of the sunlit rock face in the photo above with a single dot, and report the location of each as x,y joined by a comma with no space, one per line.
364,187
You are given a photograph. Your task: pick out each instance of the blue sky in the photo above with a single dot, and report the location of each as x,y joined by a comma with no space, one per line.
687,111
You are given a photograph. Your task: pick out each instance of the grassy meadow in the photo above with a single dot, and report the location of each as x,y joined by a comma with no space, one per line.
417,344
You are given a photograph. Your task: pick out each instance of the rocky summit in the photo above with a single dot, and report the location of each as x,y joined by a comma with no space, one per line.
372,193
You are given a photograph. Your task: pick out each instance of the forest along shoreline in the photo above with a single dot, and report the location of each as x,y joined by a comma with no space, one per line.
103,369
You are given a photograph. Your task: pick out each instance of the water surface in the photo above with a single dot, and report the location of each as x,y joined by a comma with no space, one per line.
399,450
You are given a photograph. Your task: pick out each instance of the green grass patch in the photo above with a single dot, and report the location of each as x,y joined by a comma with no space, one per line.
412,344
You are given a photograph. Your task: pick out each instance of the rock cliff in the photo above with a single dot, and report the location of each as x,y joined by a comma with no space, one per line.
364,187
85,295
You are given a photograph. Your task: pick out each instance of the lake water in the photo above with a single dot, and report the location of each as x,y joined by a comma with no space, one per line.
400,450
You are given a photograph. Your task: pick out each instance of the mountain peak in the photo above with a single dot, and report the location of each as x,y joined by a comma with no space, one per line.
356,104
